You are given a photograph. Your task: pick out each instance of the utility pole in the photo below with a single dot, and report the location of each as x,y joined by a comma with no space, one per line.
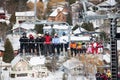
35,9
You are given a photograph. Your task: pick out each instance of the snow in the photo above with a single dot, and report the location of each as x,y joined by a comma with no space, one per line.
15,60
24,25
91,13
56,27
72,63
74,38
26,13
53,76
107,57
2,10
78,30
5,75
2,46
14,41
4,64
37,60
55,12
45,0
25,78
64,39
70,77
118,44
108,3
33,1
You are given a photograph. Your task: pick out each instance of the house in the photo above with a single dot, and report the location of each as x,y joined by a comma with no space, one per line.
73,66
22,27
38,65
80,10
96,1
107,5
59,29
24,16
4,16
59,14
20,67
28,67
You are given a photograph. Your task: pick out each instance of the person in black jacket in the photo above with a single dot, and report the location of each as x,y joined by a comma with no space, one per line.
23,43
97,75
39,44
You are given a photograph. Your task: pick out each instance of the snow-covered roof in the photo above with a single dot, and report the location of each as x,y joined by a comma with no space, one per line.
55,12
15,60
91,13
1,10
2,46
56,27
24,25
4,64
33,1
118,44
37,60
26,13
108,3
78,30
72,63
75,38
2,20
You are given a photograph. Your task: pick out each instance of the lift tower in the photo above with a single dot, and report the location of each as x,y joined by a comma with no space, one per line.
113,36
113,42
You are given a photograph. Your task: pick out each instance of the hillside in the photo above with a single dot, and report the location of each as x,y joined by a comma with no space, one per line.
21,5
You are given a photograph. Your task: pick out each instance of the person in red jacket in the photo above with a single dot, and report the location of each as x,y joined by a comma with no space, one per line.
94,47
47,44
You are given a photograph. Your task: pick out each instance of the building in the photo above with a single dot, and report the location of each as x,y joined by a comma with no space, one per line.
24,16
59,14
107,5
21,17
4,16
28,67
73,67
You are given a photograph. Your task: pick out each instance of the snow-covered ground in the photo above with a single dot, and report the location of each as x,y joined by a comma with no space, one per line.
118,44
53,76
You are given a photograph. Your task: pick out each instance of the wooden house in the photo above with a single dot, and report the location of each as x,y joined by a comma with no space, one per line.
59,14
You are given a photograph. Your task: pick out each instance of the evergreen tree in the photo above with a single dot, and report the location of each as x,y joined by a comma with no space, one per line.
69,18
117,1
13,19
88,26
75,27
39,28
64,76
71,1
103,36
8,54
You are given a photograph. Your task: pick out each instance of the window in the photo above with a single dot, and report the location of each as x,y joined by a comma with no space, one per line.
12,75
22,75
